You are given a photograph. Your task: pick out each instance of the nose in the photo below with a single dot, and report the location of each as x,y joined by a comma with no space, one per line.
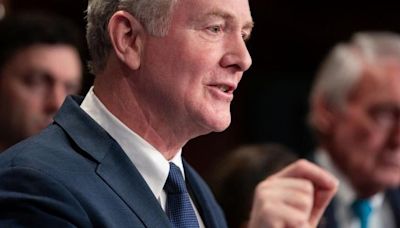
54,99
237,55
394,137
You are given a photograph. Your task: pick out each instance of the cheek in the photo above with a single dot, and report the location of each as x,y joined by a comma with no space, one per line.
362,135
23,105
194,84
27,102
356,143
15,116
364,147
372,140
195,58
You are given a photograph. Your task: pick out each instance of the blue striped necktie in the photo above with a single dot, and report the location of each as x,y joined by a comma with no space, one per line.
179,208
362,208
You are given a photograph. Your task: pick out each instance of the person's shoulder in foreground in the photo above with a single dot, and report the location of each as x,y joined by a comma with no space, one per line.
50,181
73,174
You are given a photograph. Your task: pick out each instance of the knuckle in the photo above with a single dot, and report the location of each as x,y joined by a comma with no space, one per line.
303,163
308,187
297,222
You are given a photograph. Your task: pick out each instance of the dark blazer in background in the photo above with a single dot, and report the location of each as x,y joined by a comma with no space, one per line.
329,219
74,174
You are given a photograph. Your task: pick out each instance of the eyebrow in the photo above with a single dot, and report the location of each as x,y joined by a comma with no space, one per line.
225,15
50,78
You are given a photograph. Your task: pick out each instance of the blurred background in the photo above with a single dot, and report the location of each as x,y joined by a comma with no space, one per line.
289,41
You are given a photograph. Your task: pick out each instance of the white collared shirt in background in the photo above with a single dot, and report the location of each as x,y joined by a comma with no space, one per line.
382,215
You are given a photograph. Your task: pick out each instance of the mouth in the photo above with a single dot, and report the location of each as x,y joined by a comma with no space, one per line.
391,159
225,87
223,91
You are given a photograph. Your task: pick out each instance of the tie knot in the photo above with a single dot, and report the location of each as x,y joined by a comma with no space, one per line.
175,182
362,208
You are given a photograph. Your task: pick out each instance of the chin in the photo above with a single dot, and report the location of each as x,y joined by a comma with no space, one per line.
220,129
393,182
213,125
388,181
213,120
222,124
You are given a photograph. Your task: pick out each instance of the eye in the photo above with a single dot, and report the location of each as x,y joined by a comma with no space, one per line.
384,116
34,79
215,29
245,36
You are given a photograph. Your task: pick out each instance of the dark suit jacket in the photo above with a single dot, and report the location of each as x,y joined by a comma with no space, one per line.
329,218
74,174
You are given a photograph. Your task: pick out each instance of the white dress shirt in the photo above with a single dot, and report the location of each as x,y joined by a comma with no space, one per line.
150,163
381,216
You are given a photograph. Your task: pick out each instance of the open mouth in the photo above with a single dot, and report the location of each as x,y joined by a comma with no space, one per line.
223,91
226,89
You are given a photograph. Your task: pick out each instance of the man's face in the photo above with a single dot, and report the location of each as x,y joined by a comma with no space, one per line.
366,135
33,85
191,72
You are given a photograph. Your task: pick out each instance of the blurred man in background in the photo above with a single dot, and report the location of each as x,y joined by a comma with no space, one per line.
39,66
355,111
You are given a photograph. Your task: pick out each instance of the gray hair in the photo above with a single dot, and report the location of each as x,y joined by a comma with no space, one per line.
153,14
343,67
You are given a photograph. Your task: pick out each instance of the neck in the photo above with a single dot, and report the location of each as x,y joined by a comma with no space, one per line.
120,97
366,191
362,188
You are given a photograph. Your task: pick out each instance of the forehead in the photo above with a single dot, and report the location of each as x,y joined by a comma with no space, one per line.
379,83
59,61
234,10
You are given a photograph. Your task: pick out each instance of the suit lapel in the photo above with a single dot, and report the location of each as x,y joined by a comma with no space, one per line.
394,198
114,167
202,198
119,173
393,195
328,219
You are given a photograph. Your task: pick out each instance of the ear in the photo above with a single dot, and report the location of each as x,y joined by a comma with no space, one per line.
323,115
126,36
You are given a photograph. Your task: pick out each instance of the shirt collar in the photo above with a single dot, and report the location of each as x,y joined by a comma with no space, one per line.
150,163
346,193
